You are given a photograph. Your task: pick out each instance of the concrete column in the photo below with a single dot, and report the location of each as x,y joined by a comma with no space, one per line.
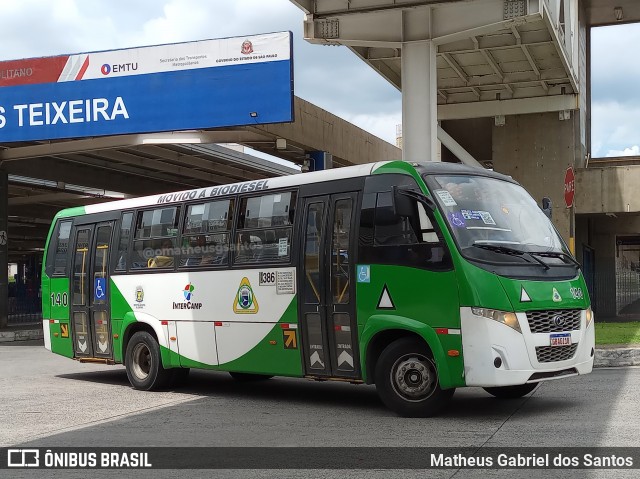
4,249
536,150
419,102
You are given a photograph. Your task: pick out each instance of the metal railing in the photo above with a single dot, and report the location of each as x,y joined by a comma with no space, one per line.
627,288
24,310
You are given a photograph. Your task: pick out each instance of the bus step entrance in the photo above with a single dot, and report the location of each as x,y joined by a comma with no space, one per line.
326,378
110,362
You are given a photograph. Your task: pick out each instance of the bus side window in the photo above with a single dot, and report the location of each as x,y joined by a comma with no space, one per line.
123,245
388,238
155,240
391,229
205,237
265,229
57,262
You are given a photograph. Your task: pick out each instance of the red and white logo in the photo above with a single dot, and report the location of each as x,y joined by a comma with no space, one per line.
247,47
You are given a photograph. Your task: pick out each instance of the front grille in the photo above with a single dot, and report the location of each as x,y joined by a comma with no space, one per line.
551,354
547,321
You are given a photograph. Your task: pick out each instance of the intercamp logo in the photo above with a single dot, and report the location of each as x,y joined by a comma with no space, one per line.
23,458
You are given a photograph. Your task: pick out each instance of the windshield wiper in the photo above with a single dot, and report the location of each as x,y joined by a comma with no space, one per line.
512,252
557,254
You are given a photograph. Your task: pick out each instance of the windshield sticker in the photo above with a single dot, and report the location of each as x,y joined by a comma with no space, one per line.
446,198
487,219
456,219
471,214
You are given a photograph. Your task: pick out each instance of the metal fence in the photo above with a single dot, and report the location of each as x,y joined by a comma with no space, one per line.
627,279
24,310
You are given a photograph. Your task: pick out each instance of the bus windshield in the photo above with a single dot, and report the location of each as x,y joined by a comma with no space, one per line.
490,217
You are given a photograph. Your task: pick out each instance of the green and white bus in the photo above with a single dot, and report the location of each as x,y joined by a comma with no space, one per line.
419,278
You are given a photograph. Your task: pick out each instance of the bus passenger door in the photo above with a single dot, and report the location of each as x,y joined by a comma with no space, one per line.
90,313
327,299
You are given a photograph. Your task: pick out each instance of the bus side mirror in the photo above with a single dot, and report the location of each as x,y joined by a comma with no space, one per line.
403,205
547,206
404,201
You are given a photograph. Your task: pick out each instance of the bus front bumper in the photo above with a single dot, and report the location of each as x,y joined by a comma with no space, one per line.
497,355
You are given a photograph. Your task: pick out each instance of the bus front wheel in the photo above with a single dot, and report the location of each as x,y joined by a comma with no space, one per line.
511,392
407,380
144,364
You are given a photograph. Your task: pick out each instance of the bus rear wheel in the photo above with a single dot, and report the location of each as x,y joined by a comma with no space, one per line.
511,392
407,380
144,364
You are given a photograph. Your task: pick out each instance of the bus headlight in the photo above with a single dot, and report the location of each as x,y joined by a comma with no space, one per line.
508,318
589,315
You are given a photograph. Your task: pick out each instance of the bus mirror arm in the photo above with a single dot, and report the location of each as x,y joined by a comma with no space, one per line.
403,206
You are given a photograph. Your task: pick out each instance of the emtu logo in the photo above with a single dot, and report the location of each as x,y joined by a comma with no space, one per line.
118,68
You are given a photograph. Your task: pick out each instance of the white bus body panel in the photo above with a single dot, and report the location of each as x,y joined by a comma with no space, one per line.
212,301
46,330
484,340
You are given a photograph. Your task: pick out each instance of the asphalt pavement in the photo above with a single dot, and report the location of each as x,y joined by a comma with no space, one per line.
51,401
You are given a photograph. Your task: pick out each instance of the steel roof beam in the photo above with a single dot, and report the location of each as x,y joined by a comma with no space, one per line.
209,165
163,166
144,183
455,67
49,198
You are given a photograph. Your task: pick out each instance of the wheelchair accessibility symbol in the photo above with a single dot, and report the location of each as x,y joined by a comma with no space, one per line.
100,288
364,273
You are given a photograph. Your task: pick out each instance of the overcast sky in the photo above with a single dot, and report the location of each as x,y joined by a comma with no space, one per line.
331,77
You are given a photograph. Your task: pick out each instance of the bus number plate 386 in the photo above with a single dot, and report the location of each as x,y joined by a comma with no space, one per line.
563,339
267,278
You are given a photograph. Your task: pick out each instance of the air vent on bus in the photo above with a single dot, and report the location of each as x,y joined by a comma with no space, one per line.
554,320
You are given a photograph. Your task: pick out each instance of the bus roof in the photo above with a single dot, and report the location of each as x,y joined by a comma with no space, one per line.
220,190
445,168
273,183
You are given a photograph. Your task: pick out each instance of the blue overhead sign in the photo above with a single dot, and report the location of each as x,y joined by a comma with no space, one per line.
184,86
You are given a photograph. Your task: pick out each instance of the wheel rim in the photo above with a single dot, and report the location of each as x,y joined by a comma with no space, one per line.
414,377
141,361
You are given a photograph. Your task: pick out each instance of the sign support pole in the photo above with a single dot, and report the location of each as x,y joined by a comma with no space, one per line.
4,250
569,195
572,233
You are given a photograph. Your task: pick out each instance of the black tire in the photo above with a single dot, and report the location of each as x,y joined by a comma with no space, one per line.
246,377
511,392
414,391
180,377
144,363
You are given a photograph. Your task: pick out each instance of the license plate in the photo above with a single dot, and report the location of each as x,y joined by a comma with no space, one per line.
563,339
